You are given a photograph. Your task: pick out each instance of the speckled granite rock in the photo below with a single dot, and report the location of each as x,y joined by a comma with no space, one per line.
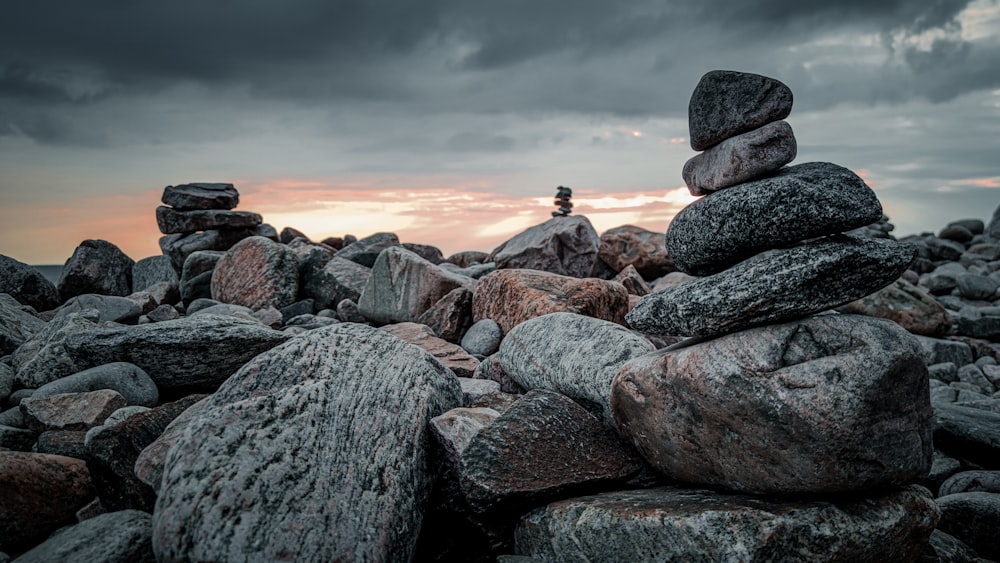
27,285
270,468
800,202
125,536
726,103
973,518
43,358
365,251
773,286
741,158
668,524
16,325
256,272
337,280
906,305
827,404
562,245
96,266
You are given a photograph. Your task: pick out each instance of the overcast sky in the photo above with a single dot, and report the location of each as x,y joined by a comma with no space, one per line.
452,122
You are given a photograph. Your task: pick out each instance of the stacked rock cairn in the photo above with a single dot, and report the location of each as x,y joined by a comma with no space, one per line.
562,201
776,394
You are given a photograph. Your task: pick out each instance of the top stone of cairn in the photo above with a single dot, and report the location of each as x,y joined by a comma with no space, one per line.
201,195
727,103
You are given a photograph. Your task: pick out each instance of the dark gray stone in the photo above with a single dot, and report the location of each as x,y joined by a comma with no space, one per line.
173,221
938,350
201,195
773,287
968,433
942,249
130,380
109,307
273,460
799,202
430,253
44,358
979,322
198,287
742,158
726,103
163,313
339,279
70,443
153,270
96,266
970,482
200,351
6,381
944,548
347,311
199,262
125,536
366,250
566,246
179,246
149,464
640,248
973,518
16,325
451,316
15,438
669,524
27,285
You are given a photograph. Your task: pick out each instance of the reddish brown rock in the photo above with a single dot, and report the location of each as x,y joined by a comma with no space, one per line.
451,355
513,296
629,245
633,282
149,464
451,316
71,411
172,221
906,305
827,404
741,158
39,493
255,273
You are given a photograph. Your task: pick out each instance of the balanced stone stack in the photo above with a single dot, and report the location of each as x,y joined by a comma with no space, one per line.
771,400
200,216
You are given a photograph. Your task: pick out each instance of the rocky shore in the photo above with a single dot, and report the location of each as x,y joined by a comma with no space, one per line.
776,379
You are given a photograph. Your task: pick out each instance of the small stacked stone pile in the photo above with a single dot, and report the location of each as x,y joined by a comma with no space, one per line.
199,216
562,201
819,404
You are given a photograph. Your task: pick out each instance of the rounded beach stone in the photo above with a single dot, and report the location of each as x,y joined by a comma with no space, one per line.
800,202
726,103
96,266
741,158
256,272
128,379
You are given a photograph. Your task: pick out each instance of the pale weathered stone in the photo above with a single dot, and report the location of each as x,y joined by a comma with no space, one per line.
799,202
114,537
826,404
174,221
70,411
643,249
669,524
774,286
571,354
726,103
201,195
562,245
256,272
742,158
510,297
451,355
270,469
402,286
27,285
202,350
96,266
906,305
455,429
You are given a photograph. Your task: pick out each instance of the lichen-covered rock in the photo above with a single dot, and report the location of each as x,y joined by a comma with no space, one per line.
125,536
201,195
270,469
256,272
643,249
827,404
571,354
774,286
668,524
96,266
199,351
27,285
513,296
800,202
403,286
174,221
726,103
907,305
742,158
562,245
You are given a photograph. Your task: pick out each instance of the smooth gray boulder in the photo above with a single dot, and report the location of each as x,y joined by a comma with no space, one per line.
16,325
201,195
827,404
483,338
270,469
567,246
774,286
128,379
726,103
571,354
199,351
669,524
741,158
402,286
125,536
96,266
800,202
27,285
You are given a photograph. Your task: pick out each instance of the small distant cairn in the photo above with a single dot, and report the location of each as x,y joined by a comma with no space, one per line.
562,201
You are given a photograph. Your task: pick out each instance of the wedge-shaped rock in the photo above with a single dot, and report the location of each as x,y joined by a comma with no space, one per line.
173,221
70,411
96,266
800,202
543,445
562,245
453,356
773,287
741,158
27,285
643,249
257,272
826,404
511,297
667,524
315,451
199,351
402,286
571,354
726,103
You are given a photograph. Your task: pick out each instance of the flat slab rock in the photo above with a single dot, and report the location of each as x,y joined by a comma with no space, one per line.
270,468
741,158
201,195
726,103
800,202
668,524
774,286
172,221
827,404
